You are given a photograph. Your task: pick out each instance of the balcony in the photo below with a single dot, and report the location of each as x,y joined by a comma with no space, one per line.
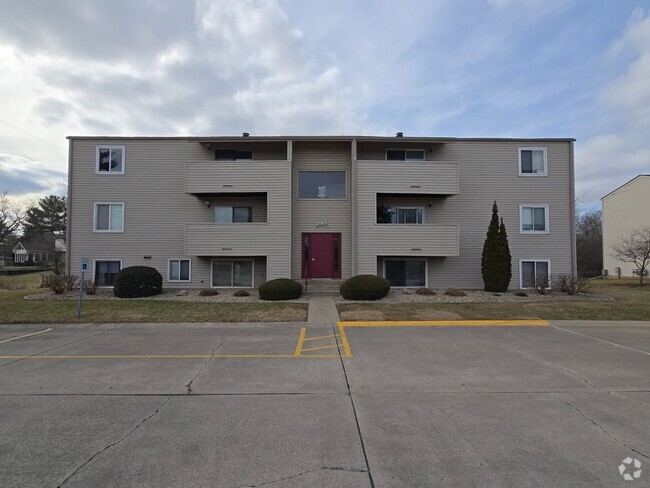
413,240
212,177
408,177
241,239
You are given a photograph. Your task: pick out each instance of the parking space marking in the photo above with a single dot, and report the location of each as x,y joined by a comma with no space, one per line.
25,335
321,337
446,323
321,347
601,340
172,356
301,339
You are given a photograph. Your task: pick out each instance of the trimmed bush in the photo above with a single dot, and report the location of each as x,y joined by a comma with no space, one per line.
208,292
425,291
280,289
365,287
137,281
90,287
452,292
60,283
241,293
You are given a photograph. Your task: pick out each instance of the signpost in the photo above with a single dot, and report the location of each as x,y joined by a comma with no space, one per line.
84,268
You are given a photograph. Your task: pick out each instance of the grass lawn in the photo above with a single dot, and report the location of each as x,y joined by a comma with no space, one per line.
13,309
632,302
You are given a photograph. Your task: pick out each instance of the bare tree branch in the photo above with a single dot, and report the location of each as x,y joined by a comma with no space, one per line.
635,249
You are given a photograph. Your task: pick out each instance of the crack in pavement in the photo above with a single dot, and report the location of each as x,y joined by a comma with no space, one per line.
113,443
59,347
221,343
603,429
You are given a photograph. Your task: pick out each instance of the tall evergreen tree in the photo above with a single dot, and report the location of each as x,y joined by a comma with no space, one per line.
48,216
496,263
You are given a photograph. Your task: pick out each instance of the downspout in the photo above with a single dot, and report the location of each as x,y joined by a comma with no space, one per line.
574,254
353,205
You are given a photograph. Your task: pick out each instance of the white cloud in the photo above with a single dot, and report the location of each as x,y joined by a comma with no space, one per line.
621,150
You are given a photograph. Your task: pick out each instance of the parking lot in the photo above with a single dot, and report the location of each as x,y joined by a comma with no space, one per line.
287,405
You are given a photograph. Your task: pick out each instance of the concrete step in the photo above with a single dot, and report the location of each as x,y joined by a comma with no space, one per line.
331,286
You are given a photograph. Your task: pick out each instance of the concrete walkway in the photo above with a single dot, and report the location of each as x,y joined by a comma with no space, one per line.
322,311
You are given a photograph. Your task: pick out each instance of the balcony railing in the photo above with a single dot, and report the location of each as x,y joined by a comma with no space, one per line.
423,177
239,239
414,239
209,177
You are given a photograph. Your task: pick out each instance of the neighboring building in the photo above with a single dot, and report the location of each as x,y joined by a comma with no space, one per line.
624,209
39,250
237,211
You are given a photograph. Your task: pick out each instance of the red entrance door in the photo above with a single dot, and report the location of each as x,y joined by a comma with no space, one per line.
321,255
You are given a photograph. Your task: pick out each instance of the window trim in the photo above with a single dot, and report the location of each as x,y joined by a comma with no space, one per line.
100,231
545,206
424,155
544,150
344,171
232,207
109,172
169,261
409,258
95,269
534,260
252,260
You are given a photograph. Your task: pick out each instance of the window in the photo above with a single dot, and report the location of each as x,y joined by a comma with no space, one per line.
404,154
400,215
533,219
228,273
534,272
105,272
109,217
109,159
406,272
228,215
179,270
328,185
232,155
532,161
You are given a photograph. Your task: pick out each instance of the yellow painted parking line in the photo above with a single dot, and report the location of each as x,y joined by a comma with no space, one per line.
26,335
176,356
321,337
320,347
301,339
446,323
344,341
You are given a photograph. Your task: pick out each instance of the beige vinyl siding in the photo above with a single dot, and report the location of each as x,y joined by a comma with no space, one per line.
625,209
156,207
488,171
321,156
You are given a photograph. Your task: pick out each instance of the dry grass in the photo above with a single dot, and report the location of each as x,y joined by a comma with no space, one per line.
13,309
23,281
631,302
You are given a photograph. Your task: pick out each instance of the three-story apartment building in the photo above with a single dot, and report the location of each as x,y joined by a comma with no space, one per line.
238,211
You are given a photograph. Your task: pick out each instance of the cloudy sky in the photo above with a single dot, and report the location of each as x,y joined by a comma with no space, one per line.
463,68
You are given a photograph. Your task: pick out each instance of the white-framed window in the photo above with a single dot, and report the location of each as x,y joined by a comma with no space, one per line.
232,155
400,215
108,217
105,271
532,161
179,270
230,273
228,215
322,185
533,219
404,154
109,160
406,272
534,272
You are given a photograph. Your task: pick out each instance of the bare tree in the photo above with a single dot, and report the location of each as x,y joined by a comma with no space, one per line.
11,216
589,242
635,249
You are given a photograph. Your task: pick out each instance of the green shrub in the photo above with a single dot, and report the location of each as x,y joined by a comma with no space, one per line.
280,289
241,293
425,291
136,282
208,292
453,292
365,287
